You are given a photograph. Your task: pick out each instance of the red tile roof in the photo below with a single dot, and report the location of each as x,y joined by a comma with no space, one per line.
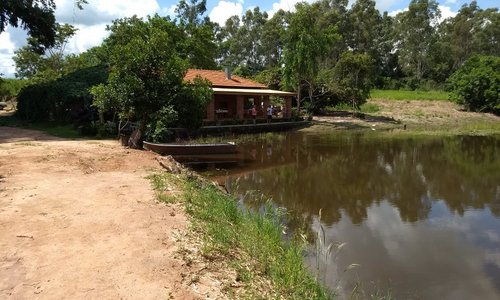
218,79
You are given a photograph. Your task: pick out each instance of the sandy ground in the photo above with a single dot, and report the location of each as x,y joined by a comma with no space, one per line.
78,219
413,113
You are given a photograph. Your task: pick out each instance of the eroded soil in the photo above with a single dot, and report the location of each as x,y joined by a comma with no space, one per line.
414,115
78,219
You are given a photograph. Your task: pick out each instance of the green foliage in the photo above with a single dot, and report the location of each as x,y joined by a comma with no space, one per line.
9,88
36,16
270,77
353,78
48,65
408,95
146,78
199,45
476,84
53,101
416,36
370,108
249,241
157,129
308,40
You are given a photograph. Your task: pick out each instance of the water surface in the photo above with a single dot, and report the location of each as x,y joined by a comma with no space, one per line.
419,215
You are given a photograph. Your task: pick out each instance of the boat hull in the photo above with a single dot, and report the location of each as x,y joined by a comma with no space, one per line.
193,149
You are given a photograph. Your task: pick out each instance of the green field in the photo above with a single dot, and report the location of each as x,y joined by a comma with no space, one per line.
408,95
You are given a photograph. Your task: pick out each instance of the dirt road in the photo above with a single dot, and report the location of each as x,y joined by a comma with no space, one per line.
78,220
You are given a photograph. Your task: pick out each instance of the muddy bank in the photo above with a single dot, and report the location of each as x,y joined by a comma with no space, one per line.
415,115
79,218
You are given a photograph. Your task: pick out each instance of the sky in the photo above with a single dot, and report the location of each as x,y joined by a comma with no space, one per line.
92,20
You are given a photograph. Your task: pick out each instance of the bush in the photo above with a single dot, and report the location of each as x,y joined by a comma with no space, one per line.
9,88
63,100
353,75
476,84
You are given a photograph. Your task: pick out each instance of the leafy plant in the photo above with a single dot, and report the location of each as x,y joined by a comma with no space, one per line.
352,78
476,84
146,81
55,100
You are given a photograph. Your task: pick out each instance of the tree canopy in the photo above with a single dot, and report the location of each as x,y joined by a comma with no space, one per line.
328,52
147,68
35,16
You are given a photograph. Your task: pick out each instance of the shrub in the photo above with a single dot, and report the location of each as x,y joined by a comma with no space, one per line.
353,74
476,84
61,100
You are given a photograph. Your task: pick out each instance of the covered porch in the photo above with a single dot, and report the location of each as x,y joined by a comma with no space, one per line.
236,103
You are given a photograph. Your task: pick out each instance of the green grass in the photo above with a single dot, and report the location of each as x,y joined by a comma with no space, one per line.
250,243
58,130
370,108
62,131
408,95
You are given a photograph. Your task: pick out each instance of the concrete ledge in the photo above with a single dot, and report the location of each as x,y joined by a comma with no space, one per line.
254,128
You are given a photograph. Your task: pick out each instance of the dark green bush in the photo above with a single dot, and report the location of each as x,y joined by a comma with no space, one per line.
476,84
56,100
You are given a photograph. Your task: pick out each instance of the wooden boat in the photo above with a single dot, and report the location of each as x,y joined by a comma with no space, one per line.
191,149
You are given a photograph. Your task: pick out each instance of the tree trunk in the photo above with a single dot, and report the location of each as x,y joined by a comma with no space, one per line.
298,98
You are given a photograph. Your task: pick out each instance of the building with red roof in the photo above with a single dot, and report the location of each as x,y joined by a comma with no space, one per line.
234,96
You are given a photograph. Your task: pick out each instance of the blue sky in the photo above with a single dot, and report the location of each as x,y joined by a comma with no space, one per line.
92,20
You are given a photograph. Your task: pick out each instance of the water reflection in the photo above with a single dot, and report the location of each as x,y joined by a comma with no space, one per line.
420,215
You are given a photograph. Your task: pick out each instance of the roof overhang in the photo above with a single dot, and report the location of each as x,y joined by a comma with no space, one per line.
251,92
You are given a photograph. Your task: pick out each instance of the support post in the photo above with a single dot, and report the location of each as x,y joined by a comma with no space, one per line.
288,107
240,110
211,109
267,103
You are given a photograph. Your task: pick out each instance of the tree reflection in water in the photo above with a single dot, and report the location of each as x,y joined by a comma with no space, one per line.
420,212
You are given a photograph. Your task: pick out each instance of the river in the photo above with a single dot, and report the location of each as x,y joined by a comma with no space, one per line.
412,217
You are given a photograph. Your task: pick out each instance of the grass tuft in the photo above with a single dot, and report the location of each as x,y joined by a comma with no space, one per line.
165,186
408,95
370,108
58,130
249,242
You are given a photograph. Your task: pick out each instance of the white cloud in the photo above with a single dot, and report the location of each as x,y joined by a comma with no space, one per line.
397,11
384,5
87,37
92,20
7,48
91,23
286,5
224,10
168,11
446,12
451,1
99,11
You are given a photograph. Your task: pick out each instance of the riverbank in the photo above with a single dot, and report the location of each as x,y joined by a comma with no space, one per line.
95,220
72,209
79,218
412,117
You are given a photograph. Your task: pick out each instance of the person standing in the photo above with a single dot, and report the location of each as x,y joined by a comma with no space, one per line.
269,113
254,114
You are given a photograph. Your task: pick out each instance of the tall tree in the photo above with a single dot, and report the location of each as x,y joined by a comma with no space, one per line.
458,33
307,43
47,66
146,80
365,24
416,34
488,39
273,39
200,47
35,16
230,50
242,42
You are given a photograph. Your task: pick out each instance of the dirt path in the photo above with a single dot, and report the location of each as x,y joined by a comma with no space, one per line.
78,220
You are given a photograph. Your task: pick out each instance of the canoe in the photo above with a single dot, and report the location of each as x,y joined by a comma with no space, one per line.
191,149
